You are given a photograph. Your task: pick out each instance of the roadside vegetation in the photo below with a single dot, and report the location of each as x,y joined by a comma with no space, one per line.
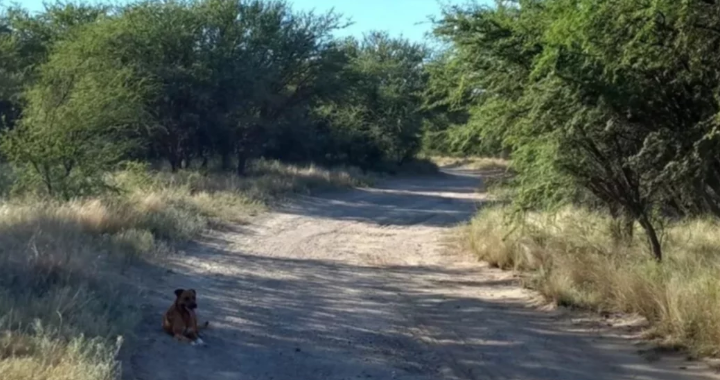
572,259
608,112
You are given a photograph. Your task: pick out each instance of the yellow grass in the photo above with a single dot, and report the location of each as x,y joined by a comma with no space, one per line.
573,261
65,308
472,163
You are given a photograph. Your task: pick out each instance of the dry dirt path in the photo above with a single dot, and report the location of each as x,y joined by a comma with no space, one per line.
358,285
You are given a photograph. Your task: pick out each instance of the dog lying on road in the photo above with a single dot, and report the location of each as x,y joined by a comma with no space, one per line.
180,319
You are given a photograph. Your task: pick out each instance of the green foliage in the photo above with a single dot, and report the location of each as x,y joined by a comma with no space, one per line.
446,101
378,114
25,42
188,82
617,99
78,118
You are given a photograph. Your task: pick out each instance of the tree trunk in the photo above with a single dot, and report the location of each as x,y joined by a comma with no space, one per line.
710,194
628,224
174,164
652,237
225,161
242,162
622,224
46,178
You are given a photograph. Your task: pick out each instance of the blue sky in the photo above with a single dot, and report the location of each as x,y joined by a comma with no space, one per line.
408,18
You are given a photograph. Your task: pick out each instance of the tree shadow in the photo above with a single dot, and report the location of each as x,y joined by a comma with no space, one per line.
285,318
282,318
441,200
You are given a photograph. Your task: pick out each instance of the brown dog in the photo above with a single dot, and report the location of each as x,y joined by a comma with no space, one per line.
180,320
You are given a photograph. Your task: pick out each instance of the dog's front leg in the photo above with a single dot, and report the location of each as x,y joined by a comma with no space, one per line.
180,333
194,337
182,338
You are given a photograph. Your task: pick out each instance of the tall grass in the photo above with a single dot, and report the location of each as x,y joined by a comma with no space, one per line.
472,163
574,261
64,306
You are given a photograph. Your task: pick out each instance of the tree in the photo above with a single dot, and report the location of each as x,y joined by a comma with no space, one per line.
193,80
25,41
379,118
615,98
79,118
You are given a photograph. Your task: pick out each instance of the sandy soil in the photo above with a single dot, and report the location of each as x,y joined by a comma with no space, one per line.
360,285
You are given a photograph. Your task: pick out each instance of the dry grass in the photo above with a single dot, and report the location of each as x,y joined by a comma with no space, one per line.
63,306
472,163
573,261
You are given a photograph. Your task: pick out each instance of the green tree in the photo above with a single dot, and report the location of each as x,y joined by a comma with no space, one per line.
379,117
25,41
192,80
616,98
79,117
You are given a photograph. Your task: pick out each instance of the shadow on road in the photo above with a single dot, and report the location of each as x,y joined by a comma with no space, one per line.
283,316
441,200
288,319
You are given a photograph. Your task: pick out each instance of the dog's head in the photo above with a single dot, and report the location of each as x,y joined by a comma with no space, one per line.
186,298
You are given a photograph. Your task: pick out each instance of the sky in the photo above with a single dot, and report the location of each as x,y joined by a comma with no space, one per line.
407,18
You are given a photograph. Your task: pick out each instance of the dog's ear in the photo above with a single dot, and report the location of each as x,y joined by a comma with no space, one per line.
192,291
178,292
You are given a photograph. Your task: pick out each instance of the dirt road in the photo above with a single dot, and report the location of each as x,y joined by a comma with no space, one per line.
358,285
